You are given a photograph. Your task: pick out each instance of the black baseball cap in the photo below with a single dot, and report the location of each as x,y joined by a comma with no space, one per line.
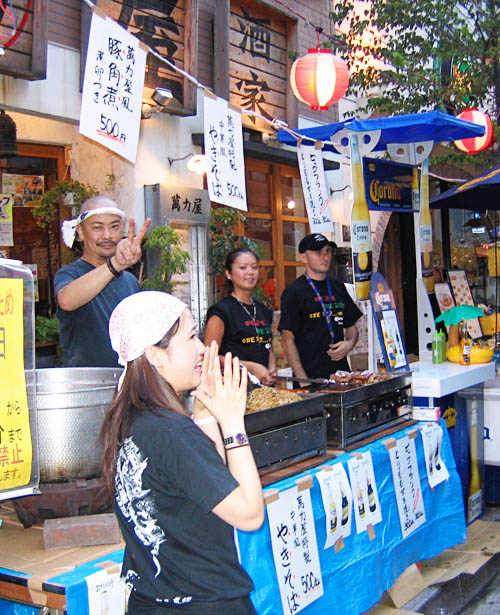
314,242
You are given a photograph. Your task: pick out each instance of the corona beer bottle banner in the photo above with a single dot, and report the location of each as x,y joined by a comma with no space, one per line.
390,186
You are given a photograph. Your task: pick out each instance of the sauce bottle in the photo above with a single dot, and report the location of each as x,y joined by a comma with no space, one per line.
465,344
425,226
361,240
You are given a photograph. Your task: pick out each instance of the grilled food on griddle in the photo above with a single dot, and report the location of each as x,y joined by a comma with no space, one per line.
267,397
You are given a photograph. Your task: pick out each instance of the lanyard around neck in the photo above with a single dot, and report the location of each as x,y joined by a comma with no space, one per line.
326,311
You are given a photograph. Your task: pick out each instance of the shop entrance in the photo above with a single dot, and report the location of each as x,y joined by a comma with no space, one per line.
28,175
397,265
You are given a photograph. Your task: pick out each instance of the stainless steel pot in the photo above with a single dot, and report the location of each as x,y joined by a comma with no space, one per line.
71,402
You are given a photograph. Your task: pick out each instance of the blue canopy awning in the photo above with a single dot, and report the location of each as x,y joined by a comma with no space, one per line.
479,193
431,126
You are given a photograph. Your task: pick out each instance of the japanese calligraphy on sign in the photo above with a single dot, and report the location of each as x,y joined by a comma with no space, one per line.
112,89
106,593
312,175
185,203
366,504
224,152
258,63
15,434
432,438
337,502
407,485
6,232
295,551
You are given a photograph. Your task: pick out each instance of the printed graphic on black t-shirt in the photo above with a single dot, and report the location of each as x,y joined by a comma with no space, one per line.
244,337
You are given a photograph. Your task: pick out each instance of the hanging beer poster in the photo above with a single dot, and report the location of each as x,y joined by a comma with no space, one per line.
337,502
390,186
387,324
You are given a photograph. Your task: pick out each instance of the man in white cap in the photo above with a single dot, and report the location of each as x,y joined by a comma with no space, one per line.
88,289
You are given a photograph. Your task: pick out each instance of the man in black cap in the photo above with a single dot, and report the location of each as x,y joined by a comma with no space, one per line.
318,316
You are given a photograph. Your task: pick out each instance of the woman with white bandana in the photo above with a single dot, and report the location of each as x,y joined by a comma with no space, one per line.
88,289
177,501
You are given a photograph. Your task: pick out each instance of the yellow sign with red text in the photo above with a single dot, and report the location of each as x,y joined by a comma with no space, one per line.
15,435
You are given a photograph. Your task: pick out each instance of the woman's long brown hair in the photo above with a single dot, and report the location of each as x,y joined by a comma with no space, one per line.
143,390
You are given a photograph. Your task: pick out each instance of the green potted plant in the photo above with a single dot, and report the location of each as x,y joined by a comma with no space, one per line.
164,242
48,209
46,341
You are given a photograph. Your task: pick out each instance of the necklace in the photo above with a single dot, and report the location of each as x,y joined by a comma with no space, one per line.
253,317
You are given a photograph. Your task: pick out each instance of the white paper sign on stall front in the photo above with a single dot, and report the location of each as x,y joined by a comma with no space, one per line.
316,197
432,438
224,152
106,593
295,549
113,87
337,502
366,503
409,497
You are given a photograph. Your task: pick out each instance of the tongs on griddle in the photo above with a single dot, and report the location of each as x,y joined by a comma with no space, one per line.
322,381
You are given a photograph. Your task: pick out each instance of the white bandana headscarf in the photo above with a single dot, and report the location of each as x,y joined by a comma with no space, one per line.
68,227
142,320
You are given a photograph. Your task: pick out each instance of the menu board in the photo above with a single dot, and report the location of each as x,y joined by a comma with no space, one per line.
463,296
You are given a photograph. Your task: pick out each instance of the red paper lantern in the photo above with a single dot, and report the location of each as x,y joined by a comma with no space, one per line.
319,79
474,145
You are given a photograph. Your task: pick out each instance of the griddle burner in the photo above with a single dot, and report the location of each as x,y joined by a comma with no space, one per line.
70,499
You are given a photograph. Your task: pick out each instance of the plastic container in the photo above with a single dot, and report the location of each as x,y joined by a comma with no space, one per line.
439,347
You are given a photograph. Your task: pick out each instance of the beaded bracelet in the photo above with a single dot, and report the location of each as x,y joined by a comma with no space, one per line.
112,268
230,448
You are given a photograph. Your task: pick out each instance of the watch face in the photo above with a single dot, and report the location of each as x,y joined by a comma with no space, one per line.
241,438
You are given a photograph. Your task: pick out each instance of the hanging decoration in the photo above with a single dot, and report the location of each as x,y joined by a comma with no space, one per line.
474,145
319,79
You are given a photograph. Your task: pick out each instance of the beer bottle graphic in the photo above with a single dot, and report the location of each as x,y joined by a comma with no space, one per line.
361,503
436,457
389,344
415,190
474,507
345,507
333,514
425,225
360,226
372,504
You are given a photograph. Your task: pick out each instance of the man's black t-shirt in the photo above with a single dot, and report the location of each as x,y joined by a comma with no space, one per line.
302,314
244,337
169,477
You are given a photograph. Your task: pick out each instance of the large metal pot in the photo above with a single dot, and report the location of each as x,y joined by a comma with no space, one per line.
71,402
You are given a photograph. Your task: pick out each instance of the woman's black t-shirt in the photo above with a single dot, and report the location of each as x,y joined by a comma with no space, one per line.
247,338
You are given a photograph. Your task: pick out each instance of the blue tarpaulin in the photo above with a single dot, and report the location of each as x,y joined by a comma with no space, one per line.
416,127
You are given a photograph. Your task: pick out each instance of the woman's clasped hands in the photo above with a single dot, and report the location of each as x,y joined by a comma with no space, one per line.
222,394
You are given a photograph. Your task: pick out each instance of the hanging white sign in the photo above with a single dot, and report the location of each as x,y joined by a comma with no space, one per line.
224,152
312,176
409,497
106,593
295,549
113,87
6,220
337,502
366,504
432,438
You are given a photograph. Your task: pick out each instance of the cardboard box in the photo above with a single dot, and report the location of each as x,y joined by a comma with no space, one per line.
422,413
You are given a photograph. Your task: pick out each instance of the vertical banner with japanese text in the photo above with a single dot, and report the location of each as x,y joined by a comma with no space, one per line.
15,434
312,176
407,485
113,87
295,549
224,151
